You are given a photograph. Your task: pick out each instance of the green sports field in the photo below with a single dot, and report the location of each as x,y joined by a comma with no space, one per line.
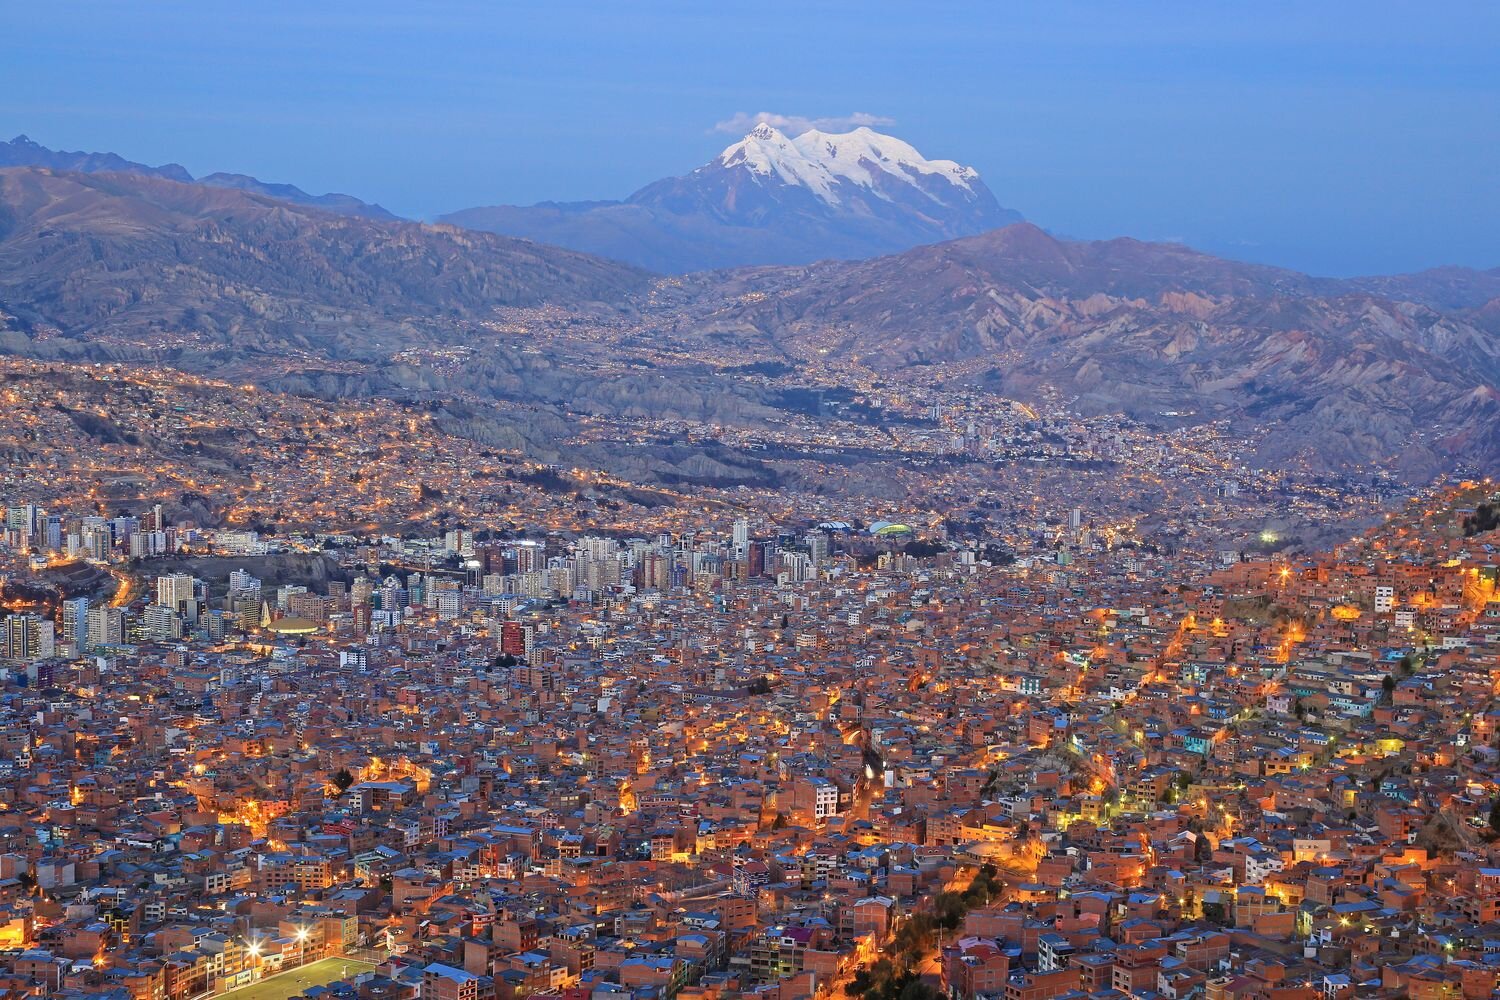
293,982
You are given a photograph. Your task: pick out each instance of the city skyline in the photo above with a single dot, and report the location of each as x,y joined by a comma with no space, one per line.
823,574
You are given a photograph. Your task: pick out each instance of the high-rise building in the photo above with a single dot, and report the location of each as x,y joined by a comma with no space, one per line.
241,581
219,623
515,639
175,592
95,541
106,627
28,637
159,623
75,623
817,547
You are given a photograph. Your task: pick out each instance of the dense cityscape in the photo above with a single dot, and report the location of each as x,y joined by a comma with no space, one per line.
1019,519
580,747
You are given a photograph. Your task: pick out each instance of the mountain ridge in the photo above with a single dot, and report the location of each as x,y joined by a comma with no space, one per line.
1335,372
113,259
22,151
1143,329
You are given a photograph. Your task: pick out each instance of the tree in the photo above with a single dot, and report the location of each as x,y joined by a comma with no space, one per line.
1495,816
917,990
342,780
1388,685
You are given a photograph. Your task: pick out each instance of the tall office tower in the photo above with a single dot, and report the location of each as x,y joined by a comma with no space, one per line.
755,559
1075,518
219,623
285,594
741,536
244,598
96,543
450,602
561,580
75,623
160,624
392,595
106,627
52,533
529,557
175,591
656,571
600,548
817,547
28,637
122,528
459,541
21,518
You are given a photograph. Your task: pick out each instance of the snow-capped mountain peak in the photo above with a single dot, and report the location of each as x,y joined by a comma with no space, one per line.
824,162
772,199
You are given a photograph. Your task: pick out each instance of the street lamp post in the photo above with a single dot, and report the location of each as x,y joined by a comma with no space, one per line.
301,946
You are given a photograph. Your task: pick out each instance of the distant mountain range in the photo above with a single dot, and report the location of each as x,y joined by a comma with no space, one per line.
770,199
122,265
24,152
1385,369
128,262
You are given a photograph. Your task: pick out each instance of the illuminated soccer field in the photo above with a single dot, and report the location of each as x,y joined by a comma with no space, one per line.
295,981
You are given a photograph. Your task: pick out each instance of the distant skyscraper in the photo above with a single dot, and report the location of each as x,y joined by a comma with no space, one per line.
106,627
175,591
817,547
159,623
75,623
28,637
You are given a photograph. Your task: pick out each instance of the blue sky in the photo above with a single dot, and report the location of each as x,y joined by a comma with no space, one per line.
1334,137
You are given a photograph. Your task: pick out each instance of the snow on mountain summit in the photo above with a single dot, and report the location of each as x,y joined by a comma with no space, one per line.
822,162
771,198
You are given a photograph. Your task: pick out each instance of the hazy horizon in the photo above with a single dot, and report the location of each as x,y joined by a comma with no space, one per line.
1341,140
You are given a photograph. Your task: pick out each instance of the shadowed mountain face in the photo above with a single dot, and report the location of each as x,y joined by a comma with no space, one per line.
23,152
770,199
116,264
1339,371
1401,371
